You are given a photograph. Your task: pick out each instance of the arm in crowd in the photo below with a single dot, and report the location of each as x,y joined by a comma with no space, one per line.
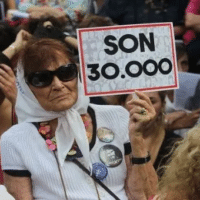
72,42
20,41
192,21
181,119
179,30
192,15
142,179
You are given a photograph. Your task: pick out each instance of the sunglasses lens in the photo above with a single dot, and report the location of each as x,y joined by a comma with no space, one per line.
40,79
67,73
45,78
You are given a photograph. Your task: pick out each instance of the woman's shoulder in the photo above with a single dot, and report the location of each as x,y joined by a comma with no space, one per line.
18,131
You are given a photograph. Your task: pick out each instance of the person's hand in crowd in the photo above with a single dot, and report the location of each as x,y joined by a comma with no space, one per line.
142,113
7,83
181,119
20,41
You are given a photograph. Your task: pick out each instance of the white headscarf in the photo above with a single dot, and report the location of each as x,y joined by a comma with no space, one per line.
70,125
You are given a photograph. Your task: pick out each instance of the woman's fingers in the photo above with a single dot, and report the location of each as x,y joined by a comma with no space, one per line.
6,71
142,113
7,82
7,76
142,96
142,102
137,117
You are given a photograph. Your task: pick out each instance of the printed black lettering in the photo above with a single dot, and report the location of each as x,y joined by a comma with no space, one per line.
145,67
105,75
128,71
160,66
94,72
108,42
121,43
150,43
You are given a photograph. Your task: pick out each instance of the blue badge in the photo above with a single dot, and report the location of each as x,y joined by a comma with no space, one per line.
100,171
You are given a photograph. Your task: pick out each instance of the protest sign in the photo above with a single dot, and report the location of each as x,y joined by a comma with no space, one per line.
188,94
121,59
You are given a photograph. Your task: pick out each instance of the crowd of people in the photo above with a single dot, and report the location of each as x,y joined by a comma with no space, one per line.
56,143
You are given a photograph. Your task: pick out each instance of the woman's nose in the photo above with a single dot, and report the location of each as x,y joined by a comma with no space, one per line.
57,83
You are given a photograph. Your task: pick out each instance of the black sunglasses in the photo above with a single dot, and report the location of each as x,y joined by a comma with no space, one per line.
44,78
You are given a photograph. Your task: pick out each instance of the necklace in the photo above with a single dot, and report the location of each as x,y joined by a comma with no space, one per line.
46,133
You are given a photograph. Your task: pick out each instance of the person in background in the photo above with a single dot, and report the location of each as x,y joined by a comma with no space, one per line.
182,57
191,37
180,121
59,9
8,90
145,11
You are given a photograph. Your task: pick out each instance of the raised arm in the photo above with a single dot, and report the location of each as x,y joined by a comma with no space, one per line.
141,180
192,16
18,44
192,21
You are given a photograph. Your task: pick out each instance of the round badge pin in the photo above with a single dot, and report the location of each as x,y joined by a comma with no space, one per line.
105,135
110,155
100,171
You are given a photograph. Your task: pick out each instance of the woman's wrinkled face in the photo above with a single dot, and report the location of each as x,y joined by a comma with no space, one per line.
58,96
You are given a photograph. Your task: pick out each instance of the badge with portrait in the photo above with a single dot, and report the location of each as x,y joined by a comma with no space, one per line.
122,59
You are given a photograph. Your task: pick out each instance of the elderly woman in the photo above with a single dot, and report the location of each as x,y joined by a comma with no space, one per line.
64,148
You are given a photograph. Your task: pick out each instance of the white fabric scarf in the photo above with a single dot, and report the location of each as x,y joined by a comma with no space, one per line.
70,125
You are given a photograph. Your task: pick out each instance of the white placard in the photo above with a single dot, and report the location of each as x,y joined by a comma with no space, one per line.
122,59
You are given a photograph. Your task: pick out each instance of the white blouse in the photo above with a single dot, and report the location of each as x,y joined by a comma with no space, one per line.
23,148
